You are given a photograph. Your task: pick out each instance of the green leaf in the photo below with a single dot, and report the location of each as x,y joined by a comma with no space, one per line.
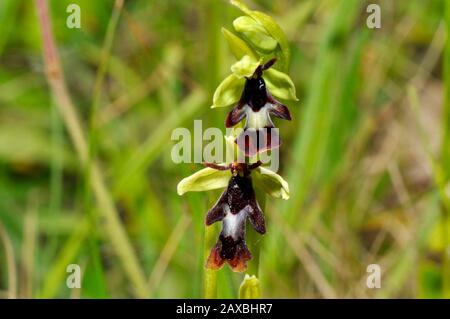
228,92
238,46
250,288
272,28
245,67
255,33
280,84
204,180
272,183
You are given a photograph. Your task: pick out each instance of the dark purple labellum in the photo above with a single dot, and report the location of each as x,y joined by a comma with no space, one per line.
253,141
257,105
236,204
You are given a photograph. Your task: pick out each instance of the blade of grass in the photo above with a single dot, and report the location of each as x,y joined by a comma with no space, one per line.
141,159
55,275
319,109
114,227
308,170
305,258
168,251
28,254
10,263
445,155
8,11
438,175
97,284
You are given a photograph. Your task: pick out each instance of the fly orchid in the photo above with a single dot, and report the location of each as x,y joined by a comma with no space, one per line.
256,105
235,206
253,89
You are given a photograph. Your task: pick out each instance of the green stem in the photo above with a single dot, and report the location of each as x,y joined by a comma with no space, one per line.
254,241
69,113
209,275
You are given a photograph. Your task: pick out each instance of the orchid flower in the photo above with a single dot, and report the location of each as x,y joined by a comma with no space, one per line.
236,204
256,105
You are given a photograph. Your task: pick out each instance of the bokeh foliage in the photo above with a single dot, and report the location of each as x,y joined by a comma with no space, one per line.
363,154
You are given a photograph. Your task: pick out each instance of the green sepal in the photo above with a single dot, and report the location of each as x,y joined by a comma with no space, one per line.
280,84
228,92
238,47
204,180
271,183
245,67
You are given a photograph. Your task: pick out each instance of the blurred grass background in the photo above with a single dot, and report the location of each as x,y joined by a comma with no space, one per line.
366,155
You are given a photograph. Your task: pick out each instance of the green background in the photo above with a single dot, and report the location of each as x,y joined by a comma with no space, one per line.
366,154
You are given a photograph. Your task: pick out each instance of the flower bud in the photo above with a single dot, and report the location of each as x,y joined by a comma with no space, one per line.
255,33
250,288
271,28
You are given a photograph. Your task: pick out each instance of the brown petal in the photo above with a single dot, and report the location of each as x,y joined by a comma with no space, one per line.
217,212
279,110
234,252
256,217
235,115
215,261
253,141
239,262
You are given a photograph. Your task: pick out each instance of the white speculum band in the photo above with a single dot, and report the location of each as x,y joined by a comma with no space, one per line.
259,119
233,223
